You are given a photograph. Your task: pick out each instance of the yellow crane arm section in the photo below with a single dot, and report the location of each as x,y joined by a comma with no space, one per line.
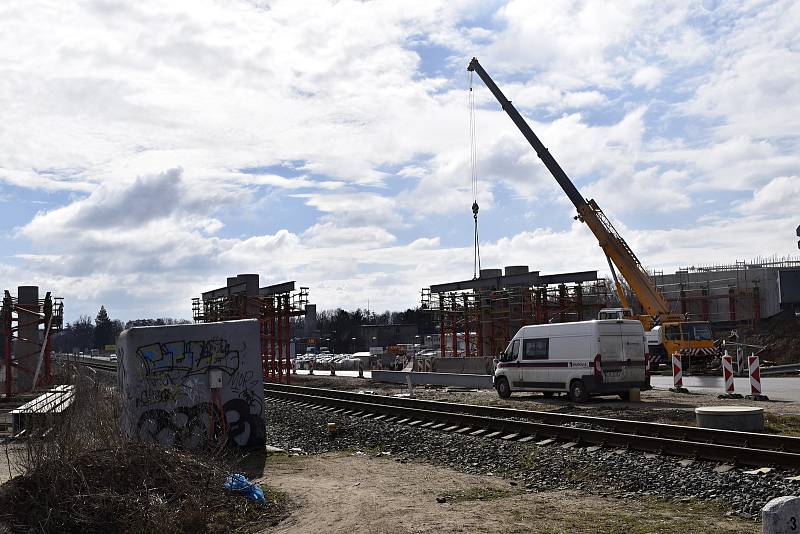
618,251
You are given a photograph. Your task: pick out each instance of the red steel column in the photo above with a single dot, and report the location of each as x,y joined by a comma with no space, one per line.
466,327
683,301
704,305
492,333
280,339
479,349
441,325
272,340
48,317
262,328
454,326
287,335
756,305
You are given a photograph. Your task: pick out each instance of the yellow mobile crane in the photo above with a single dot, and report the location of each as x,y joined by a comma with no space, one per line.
666,332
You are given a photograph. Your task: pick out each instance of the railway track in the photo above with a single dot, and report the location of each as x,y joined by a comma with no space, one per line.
105,366
724,446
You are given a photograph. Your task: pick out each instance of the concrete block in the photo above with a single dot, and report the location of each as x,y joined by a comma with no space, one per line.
477,366
741,418
781,516
193,385
434,379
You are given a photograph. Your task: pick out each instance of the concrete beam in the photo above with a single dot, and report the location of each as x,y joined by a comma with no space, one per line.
566,278
277,289
531,279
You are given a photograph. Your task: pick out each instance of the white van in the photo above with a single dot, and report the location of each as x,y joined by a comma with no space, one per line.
583,358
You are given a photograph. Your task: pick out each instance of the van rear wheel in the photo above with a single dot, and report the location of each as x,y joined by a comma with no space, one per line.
577,391
503,389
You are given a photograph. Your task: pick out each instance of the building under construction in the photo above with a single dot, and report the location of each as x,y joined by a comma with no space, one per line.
274,306
728,295
477,318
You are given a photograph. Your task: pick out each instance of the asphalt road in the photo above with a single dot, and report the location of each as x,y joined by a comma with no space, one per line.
776,388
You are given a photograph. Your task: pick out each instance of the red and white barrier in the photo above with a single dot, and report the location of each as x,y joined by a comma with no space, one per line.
727,372
755,375
677,370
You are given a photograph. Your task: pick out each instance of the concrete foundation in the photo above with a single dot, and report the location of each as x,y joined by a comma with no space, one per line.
741,418
194,385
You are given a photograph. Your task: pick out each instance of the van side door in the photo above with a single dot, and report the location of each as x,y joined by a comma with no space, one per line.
535,372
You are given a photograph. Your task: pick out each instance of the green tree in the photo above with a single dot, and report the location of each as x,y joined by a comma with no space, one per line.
103,329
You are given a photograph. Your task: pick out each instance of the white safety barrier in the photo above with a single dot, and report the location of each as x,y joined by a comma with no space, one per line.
727,373
755,375
756,392
677,370
677,374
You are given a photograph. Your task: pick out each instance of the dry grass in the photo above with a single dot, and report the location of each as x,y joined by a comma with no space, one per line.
83,476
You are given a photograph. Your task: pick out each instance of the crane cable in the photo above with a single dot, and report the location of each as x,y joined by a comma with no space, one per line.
473,156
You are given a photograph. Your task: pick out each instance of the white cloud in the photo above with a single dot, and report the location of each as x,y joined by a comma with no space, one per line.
756,73
329,234
780,196
648,77
256,108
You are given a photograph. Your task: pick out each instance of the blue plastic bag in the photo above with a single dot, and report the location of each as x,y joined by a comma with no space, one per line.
239,483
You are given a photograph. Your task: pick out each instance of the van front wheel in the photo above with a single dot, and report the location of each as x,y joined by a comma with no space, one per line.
577,391
503,389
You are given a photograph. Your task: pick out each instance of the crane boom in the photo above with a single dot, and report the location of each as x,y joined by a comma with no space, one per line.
613,245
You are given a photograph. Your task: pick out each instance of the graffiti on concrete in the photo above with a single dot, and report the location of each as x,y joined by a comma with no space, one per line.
180,359
192,427
167,385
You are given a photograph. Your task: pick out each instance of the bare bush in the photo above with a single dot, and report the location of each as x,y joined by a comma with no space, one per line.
80,474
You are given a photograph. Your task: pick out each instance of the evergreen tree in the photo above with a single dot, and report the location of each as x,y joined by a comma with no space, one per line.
103,329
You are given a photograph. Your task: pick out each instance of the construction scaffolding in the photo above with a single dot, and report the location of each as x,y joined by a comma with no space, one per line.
480,321
740,293
27,349
273,306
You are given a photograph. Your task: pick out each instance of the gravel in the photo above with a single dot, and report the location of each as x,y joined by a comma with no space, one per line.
618,473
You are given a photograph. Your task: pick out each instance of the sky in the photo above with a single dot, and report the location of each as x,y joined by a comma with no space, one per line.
149,149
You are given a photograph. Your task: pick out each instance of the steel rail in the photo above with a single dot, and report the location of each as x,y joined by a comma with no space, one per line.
718,445
105,366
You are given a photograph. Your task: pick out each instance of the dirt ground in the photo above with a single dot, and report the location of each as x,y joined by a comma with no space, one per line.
657,405
355,493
